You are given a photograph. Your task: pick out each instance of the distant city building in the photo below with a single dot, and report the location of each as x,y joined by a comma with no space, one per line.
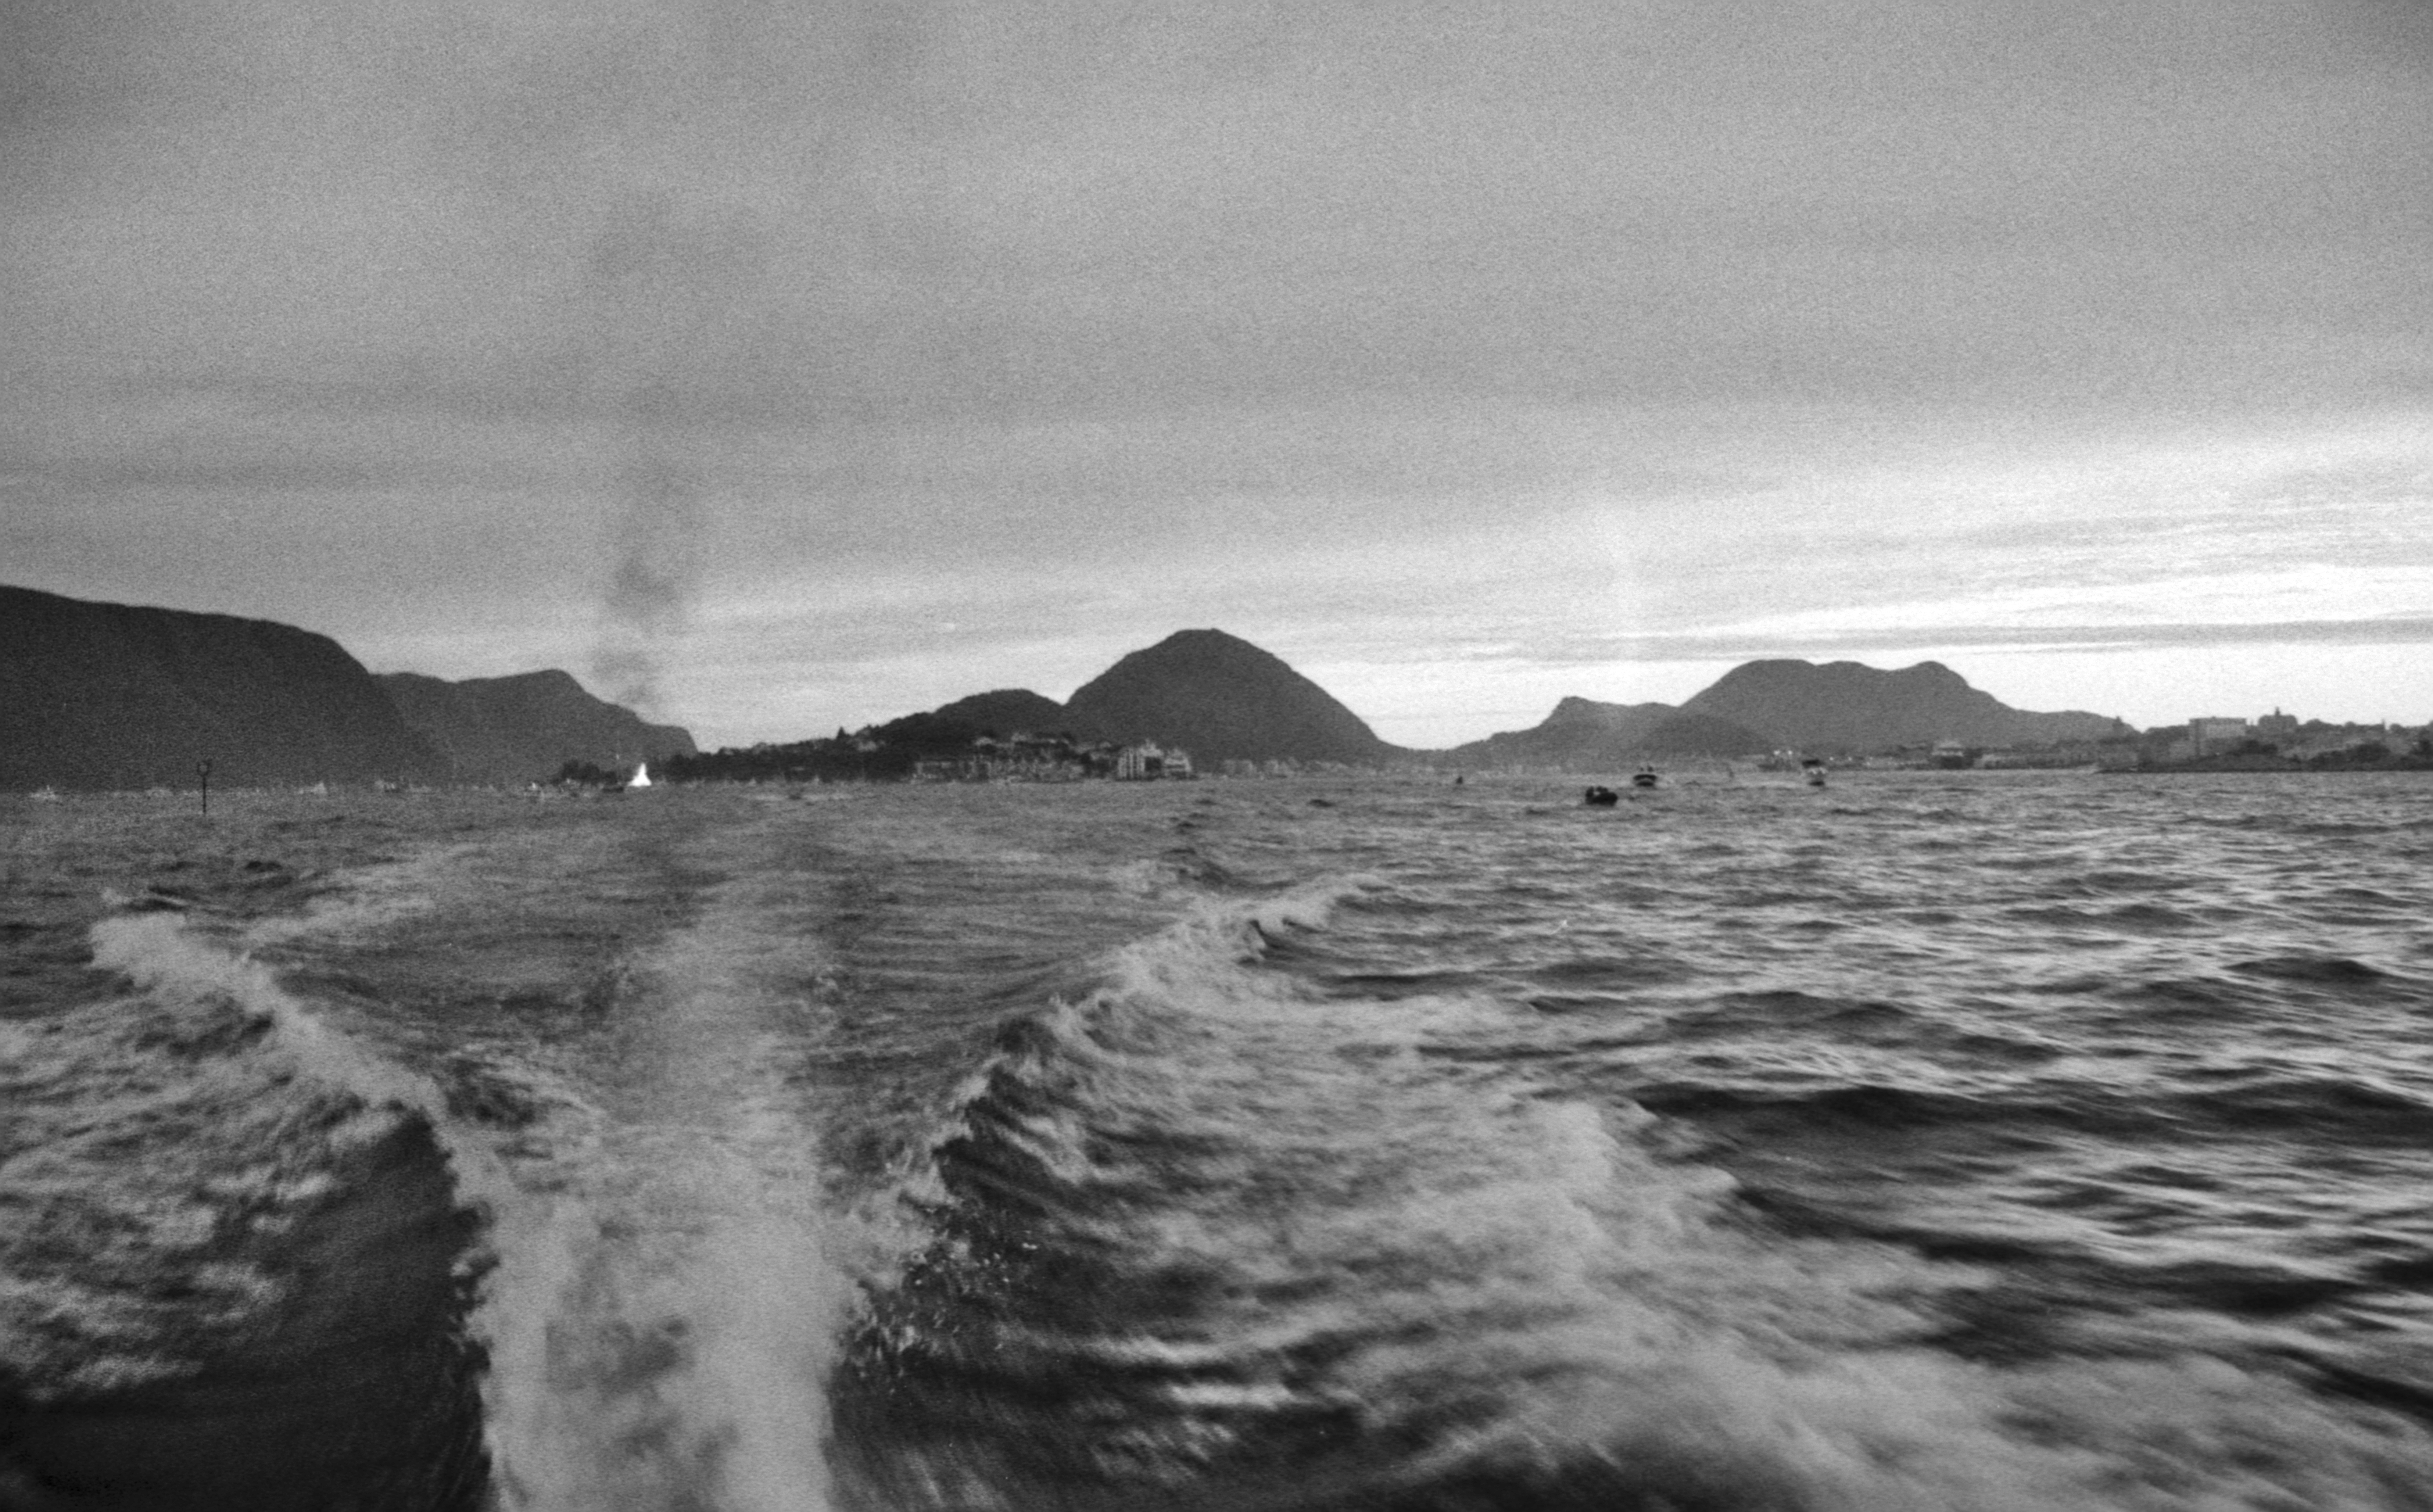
2276,726
2211,736
1147,762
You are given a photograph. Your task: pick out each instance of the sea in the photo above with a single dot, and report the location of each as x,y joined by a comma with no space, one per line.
1981,1141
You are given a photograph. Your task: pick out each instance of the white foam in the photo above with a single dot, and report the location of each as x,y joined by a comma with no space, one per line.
665,1327
751,1303
735,1277
220,1132
644,1371
370,897
1474,1242
161,954
1909,1431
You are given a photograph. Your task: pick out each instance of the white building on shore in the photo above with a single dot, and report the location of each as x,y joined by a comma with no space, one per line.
1149,761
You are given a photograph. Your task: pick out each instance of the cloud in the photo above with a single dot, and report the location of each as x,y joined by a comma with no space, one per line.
1056,207
2392,630
1393,330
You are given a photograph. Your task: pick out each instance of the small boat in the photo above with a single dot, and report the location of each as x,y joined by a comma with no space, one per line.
1814,770
1643,777
1601,796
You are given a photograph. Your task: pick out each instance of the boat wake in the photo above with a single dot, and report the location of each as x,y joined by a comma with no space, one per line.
1212,1236
667,1297
237,1267
1236,1215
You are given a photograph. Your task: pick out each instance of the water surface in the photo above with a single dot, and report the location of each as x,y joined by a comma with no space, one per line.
1932,1140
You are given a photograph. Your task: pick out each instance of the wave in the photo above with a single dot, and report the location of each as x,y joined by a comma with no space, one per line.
1370,1193
672,1282
1208,1235
648,1284
2314,970
237,1272
272,1266
1152,1216
2240,1100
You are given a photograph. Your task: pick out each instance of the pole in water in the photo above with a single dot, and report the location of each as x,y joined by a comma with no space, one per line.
203,770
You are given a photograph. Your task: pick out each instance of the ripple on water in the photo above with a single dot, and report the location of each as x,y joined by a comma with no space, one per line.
2327,971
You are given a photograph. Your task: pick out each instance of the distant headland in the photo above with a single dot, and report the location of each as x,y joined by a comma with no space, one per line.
102,696
1199,700
117,696
1203,701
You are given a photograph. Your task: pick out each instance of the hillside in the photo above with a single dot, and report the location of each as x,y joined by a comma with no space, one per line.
523,728
1703,735
1222,698
112,695
1766,706
1581,734
1844,706
1006,711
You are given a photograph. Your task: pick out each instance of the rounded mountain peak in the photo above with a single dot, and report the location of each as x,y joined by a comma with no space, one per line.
1219,697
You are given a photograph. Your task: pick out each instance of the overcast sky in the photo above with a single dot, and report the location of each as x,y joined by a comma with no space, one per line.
782,366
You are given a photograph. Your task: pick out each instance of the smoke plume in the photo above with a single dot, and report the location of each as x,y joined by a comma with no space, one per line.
667,280
657,572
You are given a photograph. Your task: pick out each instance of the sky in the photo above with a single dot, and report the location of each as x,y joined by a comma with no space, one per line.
778,368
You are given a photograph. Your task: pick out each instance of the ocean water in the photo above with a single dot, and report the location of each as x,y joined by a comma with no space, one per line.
1934,1140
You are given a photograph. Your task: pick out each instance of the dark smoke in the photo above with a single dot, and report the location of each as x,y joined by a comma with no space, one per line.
667,283
657,571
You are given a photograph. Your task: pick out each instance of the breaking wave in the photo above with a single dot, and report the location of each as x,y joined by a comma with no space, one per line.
906,1157
1209,1237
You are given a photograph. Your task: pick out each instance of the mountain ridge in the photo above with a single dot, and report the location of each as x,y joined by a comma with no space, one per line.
118,695
1847,705
1190,690
523,727
1006,711
1222,698
103,695
1786,703
1581,734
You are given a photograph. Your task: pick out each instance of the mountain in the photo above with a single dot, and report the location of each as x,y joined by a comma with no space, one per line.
1689,734
521,729
1220,698
1006,711
114,695
1765,705
1581,734
1844,706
